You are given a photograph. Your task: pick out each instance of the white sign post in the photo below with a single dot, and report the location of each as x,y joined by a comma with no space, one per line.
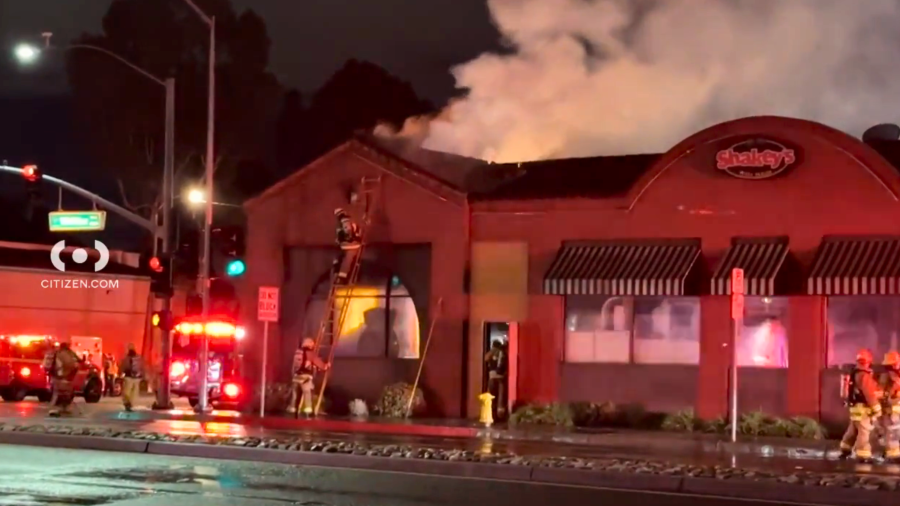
737,317
267,311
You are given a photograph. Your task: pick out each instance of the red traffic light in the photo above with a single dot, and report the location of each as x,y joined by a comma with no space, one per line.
31,173
156,264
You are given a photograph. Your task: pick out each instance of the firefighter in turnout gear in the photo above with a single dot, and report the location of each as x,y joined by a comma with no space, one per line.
890,384
63,364
349,239
133,371
306,364
863,401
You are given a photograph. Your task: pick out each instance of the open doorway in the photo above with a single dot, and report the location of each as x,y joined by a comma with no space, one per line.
498,367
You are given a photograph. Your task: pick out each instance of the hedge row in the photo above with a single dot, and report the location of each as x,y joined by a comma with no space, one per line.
607,414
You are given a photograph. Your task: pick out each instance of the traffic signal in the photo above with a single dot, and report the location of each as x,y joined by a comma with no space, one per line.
229,244
235,268
31,173
32,176
163,320
161,276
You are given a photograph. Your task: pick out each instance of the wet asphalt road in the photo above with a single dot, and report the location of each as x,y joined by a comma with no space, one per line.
50,477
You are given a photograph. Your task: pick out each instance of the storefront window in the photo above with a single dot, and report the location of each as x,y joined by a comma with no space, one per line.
861,322
667,330
381,318
598,329
763,338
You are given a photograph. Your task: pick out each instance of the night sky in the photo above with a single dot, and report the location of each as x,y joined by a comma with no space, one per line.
417,40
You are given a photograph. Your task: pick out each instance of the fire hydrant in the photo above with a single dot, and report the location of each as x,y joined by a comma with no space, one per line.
487,408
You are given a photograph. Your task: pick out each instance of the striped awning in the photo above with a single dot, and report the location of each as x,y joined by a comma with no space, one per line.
640,267
761,258
861,265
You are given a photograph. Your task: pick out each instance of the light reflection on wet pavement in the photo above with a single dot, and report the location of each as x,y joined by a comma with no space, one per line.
56,477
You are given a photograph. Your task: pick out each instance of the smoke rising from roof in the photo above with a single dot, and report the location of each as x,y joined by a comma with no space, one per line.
609,77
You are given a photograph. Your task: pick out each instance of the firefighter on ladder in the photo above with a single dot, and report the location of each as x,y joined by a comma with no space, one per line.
891,421
306,364
349,239
860,392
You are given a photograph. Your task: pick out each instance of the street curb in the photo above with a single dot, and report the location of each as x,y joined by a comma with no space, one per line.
606,479
635,482
403,429
74,442
783,492
358,462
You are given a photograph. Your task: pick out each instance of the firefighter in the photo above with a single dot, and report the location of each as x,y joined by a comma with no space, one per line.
890,384
306,363
864,404
64,368
496,366
349,239
133,372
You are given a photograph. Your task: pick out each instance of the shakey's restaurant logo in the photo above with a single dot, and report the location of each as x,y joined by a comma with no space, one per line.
756,159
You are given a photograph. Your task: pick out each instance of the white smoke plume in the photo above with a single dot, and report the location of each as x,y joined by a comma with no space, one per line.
610,77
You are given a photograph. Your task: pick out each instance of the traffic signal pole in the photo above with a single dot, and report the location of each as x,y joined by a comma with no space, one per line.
163,390
161,231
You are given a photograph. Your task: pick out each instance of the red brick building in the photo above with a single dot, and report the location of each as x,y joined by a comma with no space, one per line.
607,276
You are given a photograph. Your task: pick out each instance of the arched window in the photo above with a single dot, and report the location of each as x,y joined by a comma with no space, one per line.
380,321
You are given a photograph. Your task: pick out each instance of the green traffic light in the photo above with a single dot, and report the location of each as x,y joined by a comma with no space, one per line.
235,268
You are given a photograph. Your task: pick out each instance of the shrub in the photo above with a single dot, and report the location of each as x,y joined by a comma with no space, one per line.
806,428
394,399
590,414
716,426
556,414
682,421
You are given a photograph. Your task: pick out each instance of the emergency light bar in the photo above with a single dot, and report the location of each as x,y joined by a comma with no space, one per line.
212,329
25,340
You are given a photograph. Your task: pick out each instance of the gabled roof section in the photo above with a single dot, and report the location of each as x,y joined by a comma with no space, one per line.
441,174
594,177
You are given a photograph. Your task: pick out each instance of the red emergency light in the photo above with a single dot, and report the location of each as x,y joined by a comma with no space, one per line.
31,173
25,372
177,369
211,329
231,390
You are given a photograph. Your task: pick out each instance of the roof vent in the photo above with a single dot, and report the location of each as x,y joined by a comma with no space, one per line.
882,132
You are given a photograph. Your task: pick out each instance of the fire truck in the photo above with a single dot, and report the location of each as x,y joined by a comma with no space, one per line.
22,371
226,385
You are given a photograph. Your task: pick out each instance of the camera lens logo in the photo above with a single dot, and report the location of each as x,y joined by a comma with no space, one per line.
79,256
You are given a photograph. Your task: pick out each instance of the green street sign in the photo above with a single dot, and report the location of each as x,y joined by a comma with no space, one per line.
77,221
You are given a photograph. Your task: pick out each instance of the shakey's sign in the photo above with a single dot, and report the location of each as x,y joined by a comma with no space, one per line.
756,159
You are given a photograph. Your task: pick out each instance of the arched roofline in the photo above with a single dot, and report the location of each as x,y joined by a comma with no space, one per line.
866,158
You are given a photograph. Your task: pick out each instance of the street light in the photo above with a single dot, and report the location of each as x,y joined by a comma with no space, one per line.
27,53
203,404
196,196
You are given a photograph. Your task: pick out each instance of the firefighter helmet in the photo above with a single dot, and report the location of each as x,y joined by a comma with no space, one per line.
864,357
308,344
892,358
